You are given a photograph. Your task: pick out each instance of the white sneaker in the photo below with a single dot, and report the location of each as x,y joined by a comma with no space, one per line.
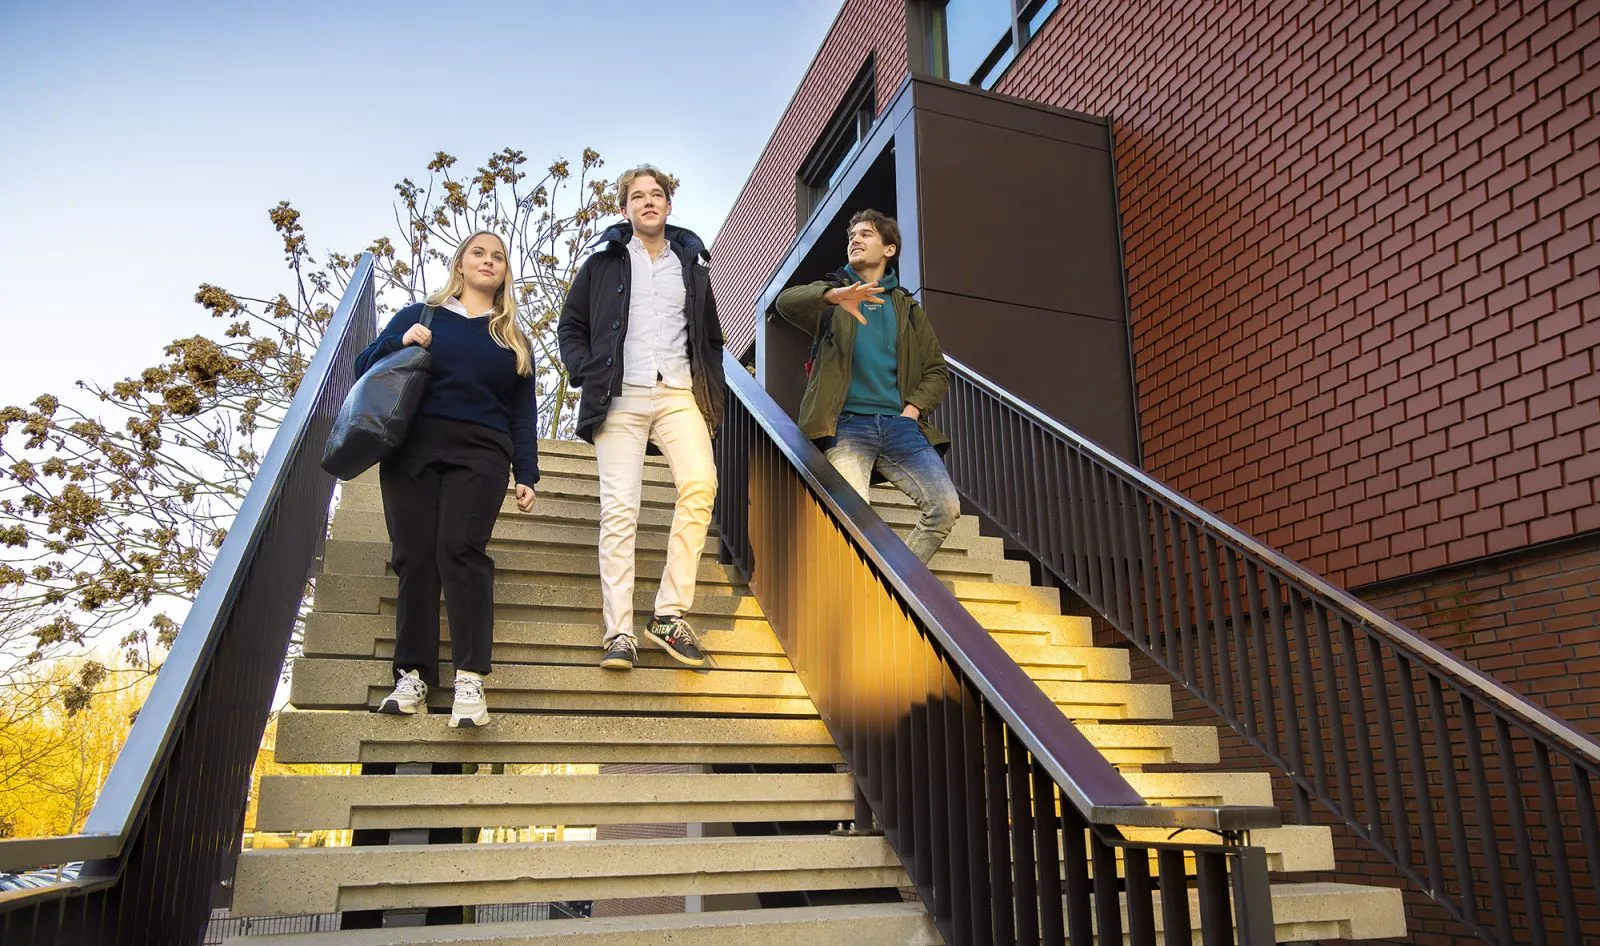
409,698
469,709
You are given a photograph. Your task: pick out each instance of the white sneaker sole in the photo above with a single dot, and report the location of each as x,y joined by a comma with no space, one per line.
469,721
393,707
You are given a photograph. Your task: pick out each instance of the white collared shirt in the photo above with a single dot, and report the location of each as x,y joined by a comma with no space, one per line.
454,305
658,326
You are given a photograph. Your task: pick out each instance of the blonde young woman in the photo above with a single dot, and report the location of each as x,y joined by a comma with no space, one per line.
476,427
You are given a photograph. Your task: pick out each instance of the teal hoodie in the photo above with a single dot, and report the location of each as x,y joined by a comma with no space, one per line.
874,387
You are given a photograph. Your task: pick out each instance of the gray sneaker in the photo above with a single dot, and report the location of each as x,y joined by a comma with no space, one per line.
621,654
410,696
674,635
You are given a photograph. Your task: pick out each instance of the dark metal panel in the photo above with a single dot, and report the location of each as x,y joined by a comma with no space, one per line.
1056,361
1017,217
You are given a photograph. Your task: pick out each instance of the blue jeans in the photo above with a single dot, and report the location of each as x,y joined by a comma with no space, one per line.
894,444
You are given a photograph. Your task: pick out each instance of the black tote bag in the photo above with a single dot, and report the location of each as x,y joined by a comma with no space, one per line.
372,422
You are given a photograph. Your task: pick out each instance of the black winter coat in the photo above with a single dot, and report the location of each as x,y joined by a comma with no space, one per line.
594,322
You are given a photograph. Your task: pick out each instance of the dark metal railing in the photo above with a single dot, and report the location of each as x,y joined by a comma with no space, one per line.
1479,797
168,820
1004,814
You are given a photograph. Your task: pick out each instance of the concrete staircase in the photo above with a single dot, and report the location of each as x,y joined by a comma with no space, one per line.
659,729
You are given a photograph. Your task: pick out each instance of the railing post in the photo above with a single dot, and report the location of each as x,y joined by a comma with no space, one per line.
1252,894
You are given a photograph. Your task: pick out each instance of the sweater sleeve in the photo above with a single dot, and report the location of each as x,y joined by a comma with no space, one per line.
525,433
804,305
390,340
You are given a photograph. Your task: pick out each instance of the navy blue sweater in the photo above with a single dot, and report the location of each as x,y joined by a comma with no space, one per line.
474,380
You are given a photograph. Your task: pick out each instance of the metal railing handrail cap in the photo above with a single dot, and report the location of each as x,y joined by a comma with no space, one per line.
1504,698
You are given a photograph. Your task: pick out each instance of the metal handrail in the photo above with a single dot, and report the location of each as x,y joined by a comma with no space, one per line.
1552,727
168,717
1007,819
1423,758
1093,784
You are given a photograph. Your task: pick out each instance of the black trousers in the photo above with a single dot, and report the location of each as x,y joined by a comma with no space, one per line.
441,493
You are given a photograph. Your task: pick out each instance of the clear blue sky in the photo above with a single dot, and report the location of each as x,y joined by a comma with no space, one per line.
145,141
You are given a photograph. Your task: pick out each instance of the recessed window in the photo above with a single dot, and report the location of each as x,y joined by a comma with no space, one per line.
842,137
974,42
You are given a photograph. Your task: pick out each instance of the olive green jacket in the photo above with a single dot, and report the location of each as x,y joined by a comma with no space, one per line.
919,362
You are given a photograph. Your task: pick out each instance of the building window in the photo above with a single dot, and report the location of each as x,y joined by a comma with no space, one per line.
974,42
843,136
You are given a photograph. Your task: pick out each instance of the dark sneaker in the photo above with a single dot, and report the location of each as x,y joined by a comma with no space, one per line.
621,654
677,638
410,696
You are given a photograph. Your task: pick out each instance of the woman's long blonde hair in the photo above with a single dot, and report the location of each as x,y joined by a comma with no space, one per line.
503,327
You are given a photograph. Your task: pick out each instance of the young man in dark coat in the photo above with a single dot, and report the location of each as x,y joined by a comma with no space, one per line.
640,336
877,373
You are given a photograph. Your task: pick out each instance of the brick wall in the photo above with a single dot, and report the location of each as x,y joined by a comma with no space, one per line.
1362,260
761,225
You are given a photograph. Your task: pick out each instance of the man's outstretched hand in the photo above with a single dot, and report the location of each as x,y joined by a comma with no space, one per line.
851,297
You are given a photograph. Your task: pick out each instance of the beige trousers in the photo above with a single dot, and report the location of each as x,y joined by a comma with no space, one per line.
670,417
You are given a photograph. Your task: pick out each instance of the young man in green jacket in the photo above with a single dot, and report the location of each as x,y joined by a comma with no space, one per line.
877,372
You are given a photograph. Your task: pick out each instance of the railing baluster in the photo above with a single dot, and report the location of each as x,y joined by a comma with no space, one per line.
1355,686
1335,707
1401,840
1141,905
1419,774
1167,620
1219,630
1515,812
977,813
1486,832
1080,891
1026,864
1566,897
995,781
1241,643
1263,668
1173,874
1148,581
1311,705
1186,631
1286,696
1216,915
1204,633
1461,855
1107,902
1589,826
1046,830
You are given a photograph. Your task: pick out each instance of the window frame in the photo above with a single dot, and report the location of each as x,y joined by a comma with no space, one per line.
844,134
1008,48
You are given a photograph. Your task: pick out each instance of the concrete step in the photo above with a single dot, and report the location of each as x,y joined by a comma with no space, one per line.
351,684
1203,788
863,924
371,557
409,876
740,645
367,594
355,684
1034,629
1028,599
577,500
584,535
311,736
302,802
1314,912
334,738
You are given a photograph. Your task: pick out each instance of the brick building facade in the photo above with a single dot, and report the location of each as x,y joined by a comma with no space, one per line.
1363,278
